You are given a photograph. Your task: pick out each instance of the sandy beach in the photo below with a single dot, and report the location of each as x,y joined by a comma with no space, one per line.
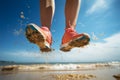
99,71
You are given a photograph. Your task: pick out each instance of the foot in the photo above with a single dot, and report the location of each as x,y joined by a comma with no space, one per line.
40,36
72,39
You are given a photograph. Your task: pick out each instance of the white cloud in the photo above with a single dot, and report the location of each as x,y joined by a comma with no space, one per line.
110,49
97,51
98,4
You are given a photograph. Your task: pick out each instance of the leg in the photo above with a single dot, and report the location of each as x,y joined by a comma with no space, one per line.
41,36
47,8
71,12
71,38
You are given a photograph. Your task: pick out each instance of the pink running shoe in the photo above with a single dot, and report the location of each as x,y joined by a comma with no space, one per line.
40,36
72,39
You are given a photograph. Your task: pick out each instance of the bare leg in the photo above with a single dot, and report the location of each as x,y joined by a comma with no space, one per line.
71,12
47,8
71,38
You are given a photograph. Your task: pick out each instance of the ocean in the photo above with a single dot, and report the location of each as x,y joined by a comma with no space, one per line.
36,63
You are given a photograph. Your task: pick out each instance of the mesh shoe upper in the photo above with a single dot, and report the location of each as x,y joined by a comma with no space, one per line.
69,35
47,34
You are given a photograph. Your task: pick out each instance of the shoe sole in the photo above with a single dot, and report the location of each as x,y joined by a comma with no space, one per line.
79,42
36,37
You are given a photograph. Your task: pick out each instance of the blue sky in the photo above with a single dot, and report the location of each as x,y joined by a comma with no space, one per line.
99,18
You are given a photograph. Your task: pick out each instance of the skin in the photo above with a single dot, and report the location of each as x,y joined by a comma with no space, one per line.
71,12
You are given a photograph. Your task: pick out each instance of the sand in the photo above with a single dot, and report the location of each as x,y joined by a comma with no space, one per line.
106,74
60,72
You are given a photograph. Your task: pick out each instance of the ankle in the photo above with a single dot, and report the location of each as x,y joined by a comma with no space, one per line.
69,25
45,28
